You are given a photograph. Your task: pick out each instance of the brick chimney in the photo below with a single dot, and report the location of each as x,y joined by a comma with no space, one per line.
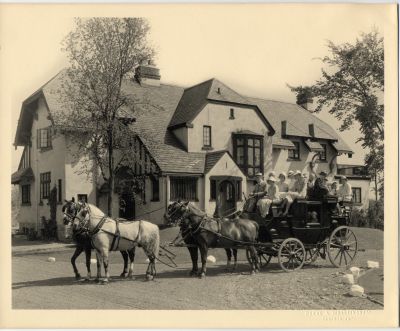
311,130
283,128
307,104
148,74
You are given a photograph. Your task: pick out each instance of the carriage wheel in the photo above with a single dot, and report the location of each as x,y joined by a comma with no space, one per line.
291,254
342,247
311,255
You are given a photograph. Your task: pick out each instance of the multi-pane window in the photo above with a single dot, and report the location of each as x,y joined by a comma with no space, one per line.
356,194
322,154
184,188
207,136
294,154
155,189
26,193
45,180
44,138
248,153
26,158
82,197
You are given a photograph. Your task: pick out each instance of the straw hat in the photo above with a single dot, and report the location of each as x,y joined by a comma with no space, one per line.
290,173
272,179
259,174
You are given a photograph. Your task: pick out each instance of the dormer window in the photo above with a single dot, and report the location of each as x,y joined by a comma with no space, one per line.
232,114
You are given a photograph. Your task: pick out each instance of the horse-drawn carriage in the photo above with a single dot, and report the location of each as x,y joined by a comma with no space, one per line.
313,229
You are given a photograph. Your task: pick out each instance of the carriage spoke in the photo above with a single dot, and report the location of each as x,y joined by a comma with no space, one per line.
337,255
344,255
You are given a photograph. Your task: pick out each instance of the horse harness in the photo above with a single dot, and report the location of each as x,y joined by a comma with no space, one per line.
116,235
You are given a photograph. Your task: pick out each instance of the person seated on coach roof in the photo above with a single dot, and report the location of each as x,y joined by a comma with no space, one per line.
272,196
260,189
298,191
345,192
320,189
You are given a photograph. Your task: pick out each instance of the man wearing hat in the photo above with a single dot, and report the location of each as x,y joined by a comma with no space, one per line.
260,189
345,192
320,189
272,196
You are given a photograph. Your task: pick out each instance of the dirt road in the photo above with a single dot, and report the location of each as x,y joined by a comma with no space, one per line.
41,284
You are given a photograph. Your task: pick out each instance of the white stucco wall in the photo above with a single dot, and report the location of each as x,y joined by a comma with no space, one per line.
224,167
50,160
280,161
217,116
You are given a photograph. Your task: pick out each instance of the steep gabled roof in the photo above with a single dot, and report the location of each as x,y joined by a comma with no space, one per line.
298,120
196,97
212,158
159,106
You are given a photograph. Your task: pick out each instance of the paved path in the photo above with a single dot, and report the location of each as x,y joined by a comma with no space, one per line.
41,284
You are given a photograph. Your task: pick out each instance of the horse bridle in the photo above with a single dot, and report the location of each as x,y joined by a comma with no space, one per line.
82,222
178,208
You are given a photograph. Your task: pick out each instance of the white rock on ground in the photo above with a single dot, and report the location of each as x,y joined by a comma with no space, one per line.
356,273
348,279
211,258
356,291
372,264
51,259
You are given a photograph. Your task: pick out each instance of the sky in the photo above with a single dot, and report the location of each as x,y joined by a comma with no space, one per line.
255,49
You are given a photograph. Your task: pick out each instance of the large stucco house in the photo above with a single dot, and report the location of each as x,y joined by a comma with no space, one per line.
203,143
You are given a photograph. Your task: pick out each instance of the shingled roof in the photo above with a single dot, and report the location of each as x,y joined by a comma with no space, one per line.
166,105
196,97
298,120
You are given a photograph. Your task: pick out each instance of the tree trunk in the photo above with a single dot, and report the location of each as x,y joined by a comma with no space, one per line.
111,173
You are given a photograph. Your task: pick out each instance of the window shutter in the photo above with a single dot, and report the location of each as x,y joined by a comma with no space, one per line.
38,138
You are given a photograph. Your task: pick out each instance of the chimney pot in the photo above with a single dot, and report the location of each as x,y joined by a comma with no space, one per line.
311,130
284,123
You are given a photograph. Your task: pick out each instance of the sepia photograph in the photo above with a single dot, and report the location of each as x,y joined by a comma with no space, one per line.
202,157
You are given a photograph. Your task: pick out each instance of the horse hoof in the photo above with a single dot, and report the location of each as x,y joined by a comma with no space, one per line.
202,275
77,276
252,273
149,277
123,275
193,273
87,280
104,281
97,280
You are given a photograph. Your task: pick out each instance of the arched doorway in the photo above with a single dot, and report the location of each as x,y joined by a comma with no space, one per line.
226,199
126,204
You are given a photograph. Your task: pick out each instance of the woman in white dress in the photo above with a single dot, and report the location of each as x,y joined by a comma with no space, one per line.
299,190
271,197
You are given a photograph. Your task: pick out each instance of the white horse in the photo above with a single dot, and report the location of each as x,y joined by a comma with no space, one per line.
113,235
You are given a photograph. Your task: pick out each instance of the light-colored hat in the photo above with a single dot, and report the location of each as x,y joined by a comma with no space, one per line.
298,172
259,174
323,173
282,174
290,173
305,175
271,179
272,173
343,177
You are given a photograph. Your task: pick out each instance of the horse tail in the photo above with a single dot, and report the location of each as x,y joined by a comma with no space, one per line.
152,244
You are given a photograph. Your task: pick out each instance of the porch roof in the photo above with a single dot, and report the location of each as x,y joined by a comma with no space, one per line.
26,173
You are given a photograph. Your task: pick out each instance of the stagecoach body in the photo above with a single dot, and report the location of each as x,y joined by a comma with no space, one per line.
312,229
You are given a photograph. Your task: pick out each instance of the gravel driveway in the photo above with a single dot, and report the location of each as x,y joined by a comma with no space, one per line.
41,284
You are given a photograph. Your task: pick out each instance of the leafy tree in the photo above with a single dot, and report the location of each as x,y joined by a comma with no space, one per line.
352,88
103,54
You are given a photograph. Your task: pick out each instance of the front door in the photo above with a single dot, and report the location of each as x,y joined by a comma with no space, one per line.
226,198
127,206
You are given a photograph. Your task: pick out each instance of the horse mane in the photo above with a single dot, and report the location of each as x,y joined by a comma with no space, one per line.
196,211
95,211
